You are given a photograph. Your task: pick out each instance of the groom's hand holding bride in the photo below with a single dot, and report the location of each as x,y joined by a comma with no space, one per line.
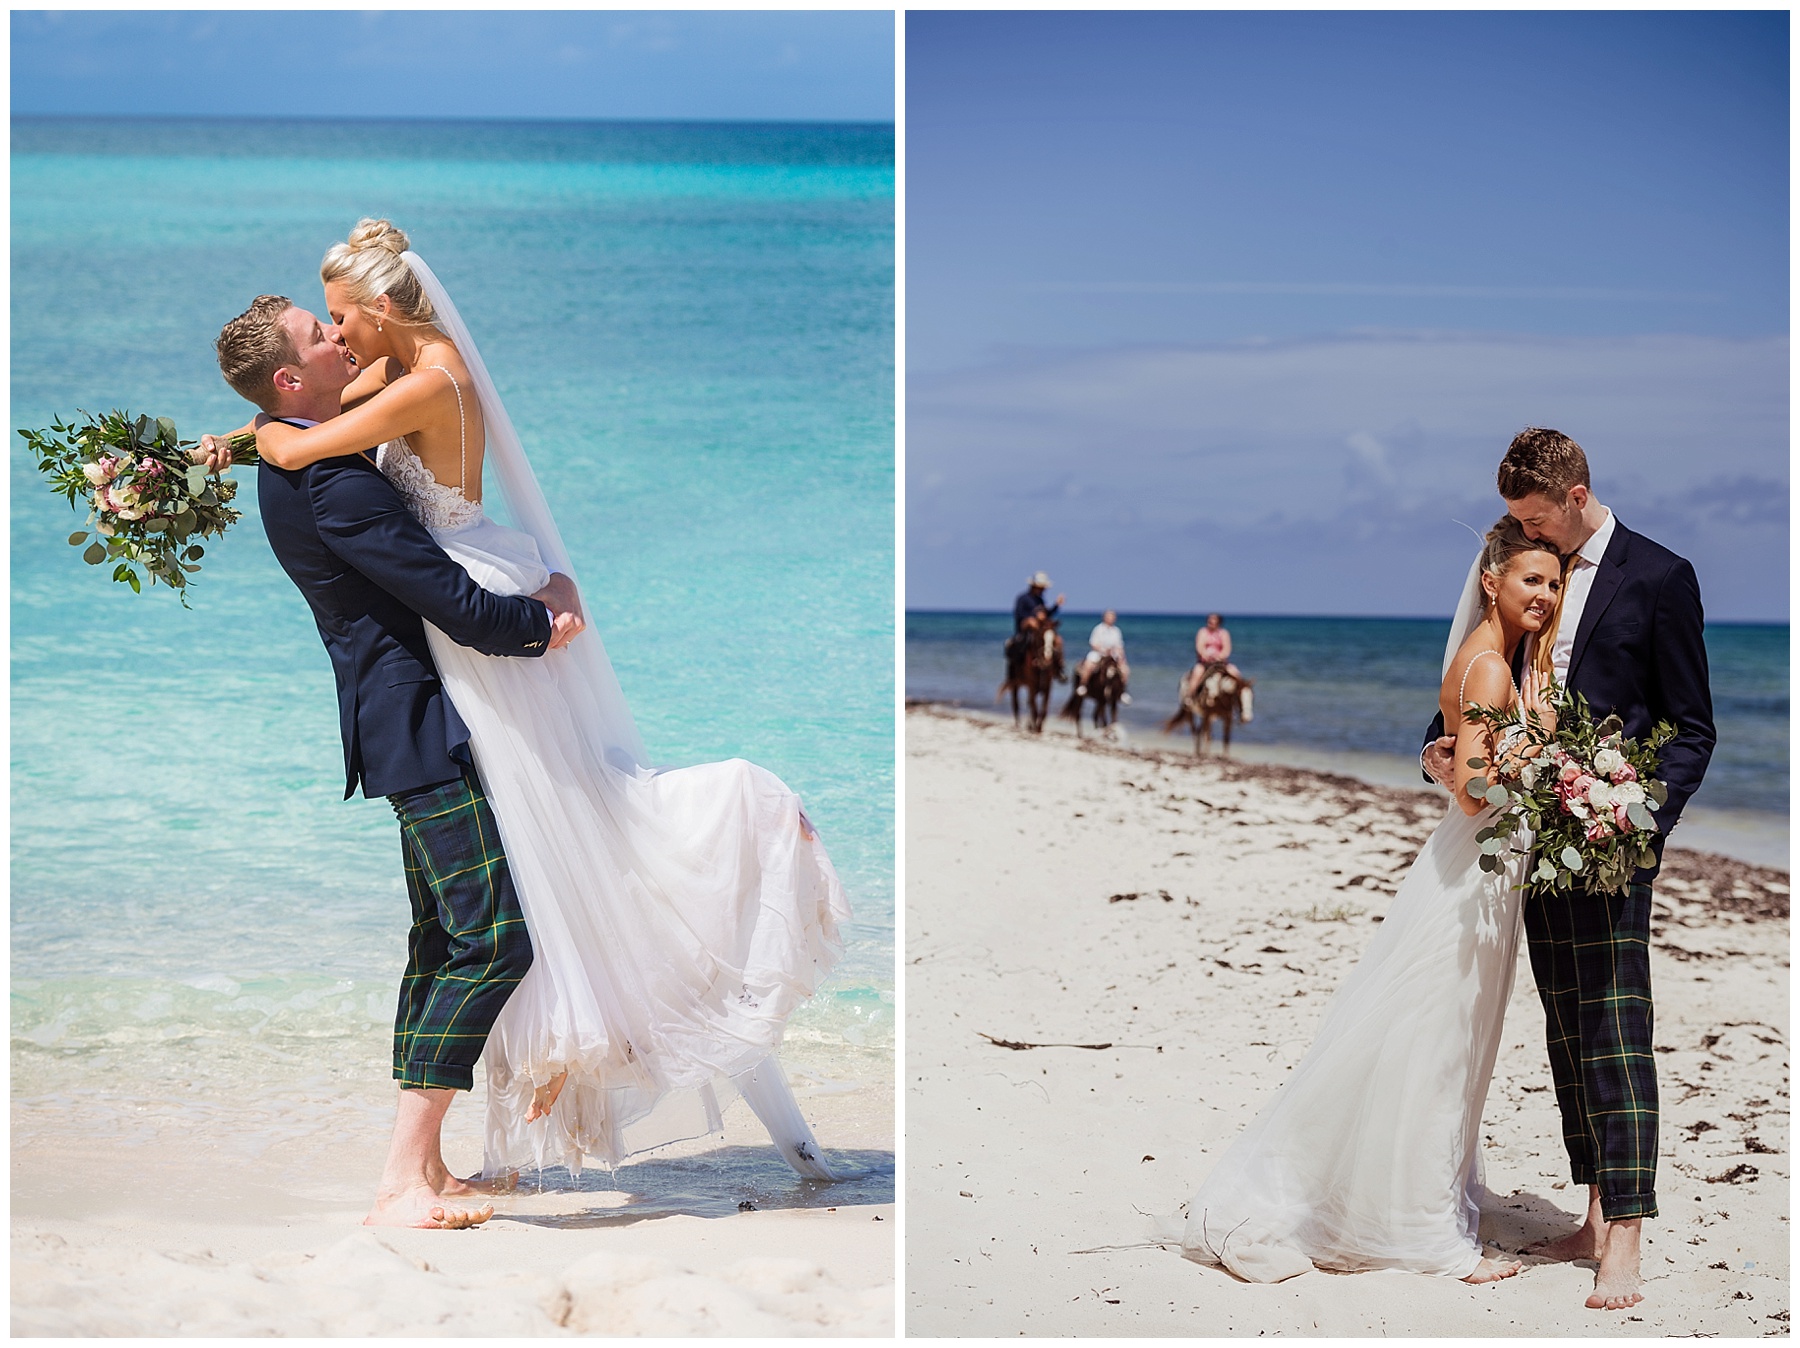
1438,759
564,602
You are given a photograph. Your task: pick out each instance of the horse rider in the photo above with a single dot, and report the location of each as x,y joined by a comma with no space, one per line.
1028,605
1104,640
1212,646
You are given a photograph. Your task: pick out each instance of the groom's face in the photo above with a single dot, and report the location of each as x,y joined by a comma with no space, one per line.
325,364
1556,523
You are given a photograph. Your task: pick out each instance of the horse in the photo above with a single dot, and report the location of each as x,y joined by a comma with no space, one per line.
1040,666
1105,685
1219,695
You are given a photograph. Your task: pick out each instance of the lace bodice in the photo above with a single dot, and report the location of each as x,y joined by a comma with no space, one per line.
439,508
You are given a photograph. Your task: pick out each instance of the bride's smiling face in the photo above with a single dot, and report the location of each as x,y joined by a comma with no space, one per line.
1526,592
364,339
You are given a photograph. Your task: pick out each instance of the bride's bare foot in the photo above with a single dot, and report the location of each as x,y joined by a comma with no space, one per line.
543,1099
1491,1269
419,1207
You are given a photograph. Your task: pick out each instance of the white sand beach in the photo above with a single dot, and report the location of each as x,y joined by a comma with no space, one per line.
187,1231
1155,940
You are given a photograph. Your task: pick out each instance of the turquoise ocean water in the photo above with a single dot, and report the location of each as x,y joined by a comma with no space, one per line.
1357,694
693,328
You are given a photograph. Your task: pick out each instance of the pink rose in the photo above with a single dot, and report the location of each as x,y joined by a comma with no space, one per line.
1622,819
1582,784
1570,769
1625,774
1599,830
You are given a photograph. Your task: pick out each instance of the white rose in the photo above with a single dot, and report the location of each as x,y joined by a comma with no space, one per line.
1627,793
95,474
1600,795
1608,761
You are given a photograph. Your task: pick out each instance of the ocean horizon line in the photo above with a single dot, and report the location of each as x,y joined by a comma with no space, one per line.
472,120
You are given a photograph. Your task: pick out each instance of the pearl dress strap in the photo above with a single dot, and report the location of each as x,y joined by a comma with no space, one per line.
461,427
1462,690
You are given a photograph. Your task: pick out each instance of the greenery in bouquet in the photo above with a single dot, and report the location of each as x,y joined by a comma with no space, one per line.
1584,792
149,495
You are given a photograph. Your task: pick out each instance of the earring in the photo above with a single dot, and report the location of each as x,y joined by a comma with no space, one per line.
378,325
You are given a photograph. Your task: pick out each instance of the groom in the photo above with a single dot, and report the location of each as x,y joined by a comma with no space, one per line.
1629,639
372,576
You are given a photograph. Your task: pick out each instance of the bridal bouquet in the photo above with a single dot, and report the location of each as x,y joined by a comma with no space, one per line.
148,493
1585,795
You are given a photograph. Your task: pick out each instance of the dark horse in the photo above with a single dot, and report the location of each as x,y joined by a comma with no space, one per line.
1038,665
1219,695
1105,685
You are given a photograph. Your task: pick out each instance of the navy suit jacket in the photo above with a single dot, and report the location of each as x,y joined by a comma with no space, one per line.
372,575
1640,651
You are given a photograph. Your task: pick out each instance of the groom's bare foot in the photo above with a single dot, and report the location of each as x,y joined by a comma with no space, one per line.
419,1207
1616,1284
452,1187
543,1099
1583,1244
1491,1269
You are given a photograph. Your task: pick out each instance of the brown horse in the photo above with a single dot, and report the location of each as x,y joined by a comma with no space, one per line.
1040,665
1105,685
1219,696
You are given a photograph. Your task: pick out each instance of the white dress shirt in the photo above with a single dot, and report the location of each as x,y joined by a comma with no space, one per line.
1105,637
1580,580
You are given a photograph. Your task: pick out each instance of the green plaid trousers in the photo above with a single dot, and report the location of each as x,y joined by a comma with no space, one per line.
1590,954
468,947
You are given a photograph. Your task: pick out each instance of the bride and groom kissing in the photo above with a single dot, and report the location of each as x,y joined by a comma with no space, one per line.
618,944
1368,1156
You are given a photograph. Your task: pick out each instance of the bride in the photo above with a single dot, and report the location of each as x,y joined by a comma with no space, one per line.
1368,1155
677,917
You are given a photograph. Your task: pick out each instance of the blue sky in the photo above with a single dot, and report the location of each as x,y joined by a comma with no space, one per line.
727,65
1239,311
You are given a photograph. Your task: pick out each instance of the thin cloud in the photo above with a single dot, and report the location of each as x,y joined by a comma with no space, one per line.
1328,475
1361,288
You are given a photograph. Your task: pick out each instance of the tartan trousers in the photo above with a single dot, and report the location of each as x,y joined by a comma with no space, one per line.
1590,954
468,947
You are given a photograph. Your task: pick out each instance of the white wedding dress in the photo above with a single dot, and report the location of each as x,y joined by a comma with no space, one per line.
1369,1156
677,917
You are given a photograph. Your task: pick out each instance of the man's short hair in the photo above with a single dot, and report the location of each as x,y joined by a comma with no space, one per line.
253,346
1542,462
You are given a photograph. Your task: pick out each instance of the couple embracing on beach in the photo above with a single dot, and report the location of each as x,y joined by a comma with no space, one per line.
1369,1154
622,945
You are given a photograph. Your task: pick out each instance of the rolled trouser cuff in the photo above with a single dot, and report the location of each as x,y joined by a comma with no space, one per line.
434,1076
1622,1207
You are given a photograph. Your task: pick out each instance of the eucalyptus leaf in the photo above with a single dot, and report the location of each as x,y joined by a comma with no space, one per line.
1571,858
1487,863
1477,763
166,429
1493,846
94,555
1478,786
196,480
1496,795
77,538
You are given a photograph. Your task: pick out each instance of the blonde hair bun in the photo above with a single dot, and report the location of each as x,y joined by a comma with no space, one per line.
369,265
383,234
